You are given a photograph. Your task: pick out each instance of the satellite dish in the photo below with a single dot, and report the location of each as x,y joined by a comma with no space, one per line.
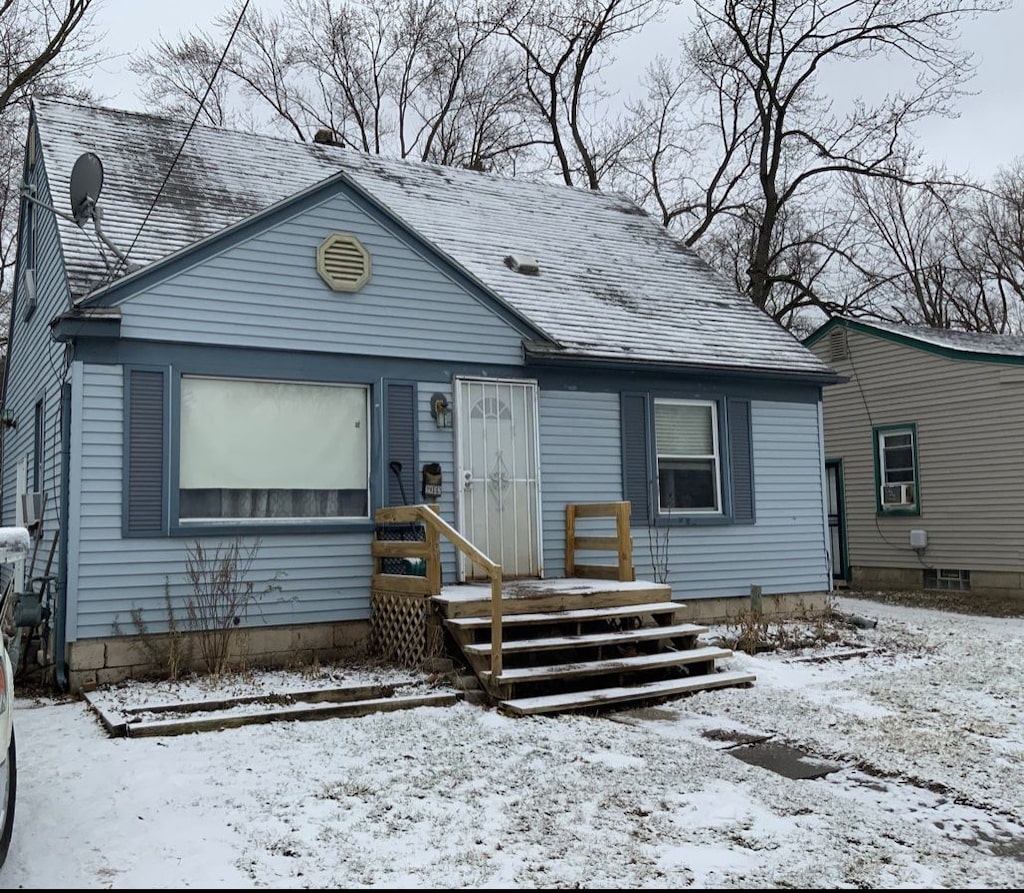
86,183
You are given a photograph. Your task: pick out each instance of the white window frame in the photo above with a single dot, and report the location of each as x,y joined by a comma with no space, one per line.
715,456
882,437
235,521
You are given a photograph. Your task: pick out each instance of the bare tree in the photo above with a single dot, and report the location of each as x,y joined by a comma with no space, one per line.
693,155
45,48
178,75
785,145
948,254
995,253
410,78
909,265
564,48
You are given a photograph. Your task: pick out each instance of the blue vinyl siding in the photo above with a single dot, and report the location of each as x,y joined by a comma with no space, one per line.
323,577
438,445
266,292
35,369
581,461
785,550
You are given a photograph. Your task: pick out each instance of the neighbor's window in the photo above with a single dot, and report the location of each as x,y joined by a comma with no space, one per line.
689,477
942,578
897,467
271,449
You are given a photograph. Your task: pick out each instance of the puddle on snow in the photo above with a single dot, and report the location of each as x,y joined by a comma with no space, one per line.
783,759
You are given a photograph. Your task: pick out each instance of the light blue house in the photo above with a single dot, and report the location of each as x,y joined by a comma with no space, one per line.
271,340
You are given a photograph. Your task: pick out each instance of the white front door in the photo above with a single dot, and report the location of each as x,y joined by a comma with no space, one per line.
498,474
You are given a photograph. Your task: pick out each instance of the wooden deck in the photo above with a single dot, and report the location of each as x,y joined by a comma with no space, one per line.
593,639
571,644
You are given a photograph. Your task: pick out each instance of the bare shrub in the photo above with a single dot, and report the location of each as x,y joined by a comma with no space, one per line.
172,651
222,594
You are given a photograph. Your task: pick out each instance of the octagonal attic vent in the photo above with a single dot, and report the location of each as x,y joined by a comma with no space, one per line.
342,262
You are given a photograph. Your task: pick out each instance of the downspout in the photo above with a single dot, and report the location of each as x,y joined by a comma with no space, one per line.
60,608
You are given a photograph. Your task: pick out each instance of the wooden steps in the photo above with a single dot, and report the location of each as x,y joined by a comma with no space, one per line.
602,697
613,665
578,645
535,596
580,615
612,637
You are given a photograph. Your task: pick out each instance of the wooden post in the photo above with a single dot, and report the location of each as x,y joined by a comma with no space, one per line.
496,623
433,559
570,540
625,544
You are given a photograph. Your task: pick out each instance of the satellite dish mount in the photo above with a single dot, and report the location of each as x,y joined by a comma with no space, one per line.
86,185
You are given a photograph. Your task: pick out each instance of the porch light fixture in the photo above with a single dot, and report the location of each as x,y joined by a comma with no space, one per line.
7,418
441,410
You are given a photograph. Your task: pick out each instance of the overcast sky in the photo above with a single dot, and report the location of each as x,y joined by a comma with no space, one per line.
988,133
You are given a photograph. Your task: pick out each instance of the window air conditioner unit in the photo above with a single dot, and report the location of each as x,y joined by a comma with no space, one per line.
897,494
32,507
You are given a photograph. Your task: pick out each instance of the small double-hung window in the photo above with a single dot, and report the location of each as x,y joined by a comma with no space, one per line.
896,465
689,467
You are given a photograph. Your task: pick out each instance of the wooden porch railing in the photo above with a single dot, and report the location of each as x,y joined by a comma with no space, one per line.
436,527
621,543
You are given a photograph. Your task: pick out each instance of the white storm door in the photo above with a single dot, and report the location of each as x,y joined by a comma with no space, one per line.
498,474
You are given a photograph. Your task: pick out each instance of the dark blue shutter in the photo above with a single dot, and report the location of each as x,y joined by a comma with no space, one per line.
145,506
741,461
401,444
635,457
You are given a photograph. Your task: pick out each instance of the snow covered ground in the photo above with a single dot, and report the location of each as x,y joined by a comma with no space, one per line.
924,722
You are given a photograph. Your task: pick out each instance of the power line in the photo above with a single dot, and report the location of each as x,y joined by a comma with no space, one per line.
123,261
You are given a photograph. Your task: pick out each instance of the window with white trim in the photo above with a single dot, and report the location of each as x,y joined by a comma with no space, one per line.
255,449
897,468
689,467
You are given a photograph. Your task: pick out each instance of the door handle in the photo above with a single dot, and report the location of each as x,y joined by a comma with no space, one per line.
467,479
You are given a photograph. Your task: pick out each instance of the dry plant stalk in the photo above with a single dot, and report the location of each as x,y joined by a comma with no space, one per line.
221,595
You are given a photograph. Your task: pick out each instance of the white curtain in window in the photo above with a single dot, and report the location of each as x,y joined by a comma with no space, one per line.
268,435
684,429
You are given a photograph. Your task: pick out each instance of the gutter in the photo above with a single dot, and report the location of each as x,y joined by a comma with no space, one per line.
535,355
60,606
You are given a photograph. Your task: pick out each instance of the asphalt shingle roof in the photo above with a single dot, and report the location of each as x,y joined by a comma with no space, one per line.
613,283
964,342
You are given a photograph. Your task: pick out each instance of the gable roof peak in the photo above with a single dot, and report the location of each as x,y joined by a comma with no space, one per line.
614,284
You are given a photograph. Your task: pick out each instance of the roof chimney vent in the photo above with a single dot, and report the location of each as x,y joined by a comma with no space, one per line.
517,263
325,136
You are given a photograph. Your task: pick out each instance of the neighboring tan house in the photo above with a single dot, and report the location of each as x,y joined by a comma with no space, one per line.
923,448
304,335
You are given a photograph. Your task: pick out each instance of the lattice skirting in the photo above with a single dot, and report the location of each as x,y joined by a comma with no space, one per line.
405,628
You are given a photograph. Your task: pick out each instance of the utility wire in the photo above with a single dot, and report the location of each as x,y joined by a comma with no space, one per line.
123,261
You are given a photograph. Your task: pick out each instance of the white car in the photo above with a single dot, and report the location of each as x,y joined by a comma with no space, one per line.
14,547
8,761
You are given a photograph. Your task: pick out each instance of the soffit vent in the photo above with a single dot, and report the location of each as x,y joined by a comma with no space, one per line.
838,348
342,262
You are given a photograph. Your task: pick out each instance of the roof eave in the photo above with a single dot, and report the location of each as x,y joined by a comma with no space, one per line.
538,356
943,350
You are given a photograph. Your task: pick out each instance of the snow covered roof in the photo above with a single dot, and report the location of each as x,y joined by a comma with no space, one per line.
612,284
985,343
